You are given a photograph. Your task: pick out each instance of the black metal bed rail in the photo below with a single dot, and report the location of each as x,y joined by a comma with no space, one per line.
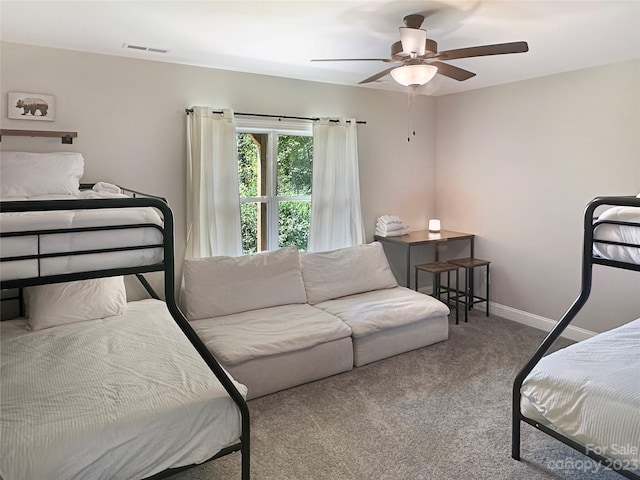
588,260
97,228
56,205
79,204
620,244
75,253
614,263
62,231
597,223
167,266
84,275
202,349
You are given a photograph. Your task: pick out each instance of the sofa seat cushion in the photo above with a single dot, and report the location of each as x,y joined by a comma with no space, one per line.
397,340
266,375
269,331
371,312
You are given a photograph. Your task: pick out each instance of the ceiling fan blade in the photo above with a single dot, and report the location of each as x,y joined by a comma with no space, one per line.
353,60
377,75
484,50
450,71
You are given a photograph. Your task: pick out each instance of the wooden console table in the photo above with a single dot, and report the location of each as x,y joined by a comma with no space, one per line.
423,237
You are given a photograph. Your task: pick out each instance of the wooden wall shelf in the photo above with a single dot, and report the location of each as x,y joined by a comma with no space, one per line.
67,137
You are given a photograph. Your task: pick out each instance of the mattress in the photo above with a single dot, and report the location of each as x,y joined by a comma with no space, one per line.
619,233
590,392
119,398
78,241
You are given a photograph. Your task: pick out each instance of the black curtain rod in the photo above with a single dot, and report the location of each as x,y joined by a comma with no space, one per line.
313,119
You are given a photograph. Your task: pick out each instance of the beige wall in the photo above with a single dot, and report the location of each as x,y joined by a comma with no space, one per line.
516,164
130,119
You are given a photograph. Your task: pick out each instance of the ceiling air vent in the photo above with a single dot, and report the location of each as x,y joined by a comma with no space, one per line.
145,49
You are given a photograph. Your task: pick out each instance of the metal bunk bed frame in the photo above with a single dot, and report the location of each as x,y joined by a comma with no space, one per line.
166,265
588,260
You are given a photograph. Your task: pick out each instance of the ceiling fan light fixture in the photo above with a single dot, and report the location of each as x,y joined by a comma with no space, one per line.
413,41
409,75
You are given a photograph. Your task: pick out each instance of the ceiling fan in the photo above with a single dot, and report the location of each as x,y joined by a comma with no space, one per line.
419,59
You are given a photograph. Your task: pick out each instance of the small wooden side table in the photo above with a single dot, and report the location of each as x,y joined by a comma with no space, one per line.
424,237
470,297
437,269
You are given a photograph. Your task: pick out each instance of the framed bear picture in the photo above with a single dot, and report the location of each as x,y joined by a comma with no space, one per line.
31,106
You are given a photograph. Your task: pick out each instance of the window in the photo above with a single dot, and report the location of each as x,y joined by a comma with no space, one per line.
274,167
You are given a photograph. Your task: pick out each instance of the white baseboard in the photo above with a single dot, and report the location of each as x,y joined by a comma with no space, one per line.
536,321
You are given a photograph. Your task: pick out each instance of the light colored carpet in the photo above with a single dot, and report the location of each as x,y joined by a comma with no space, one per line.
442,412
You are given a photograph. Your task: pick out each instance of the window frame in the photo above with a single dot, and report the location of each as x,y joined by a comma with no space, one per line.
273,127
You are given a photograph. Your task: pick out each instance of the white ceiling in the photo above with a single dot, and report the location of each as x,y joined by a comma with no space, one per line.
281,37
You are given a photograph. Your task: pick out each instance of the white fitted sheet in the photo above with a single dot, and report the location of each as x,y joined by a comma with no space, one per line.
590,392
619,233
78,241
120,398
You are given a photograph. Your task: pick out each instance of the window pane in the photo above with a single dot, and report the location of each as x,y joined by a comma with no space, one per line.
293,224
295,155
248,155
249,226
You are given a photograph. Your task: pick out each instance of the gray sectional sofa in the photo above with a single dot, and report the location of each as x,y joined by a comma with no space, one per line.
282,318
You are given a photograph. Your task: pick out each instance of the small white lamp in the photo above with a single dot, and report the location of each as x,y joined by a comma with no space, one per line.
434,225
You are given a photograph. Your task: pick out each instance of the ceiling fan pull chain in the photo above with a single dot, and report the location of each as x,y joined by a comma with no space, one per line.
413,108
408,116
411,103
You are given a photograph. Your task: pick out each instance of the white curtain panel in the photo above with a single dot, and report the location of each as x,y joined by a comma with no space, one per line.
213,201
336,216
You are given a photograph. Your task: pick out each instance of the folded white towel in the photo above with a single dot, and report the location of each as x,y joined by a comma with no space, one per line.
106,187
394,233
391,227
90,194
386,219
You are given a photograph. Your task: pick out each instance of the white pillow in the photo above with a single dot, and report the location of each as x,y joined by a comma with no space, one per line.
70,302
25,174
347,271
218,286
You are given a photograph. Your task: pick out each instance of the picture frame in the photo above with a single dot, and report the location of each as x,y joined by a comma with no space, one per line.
31,106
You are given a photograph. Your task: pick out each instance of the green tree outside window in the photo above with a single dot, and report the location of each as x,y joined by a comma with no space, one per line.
289,192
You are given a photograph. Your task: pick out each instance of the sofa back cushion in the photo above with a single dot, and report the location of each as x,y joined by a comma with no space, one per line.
347,271
217,286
